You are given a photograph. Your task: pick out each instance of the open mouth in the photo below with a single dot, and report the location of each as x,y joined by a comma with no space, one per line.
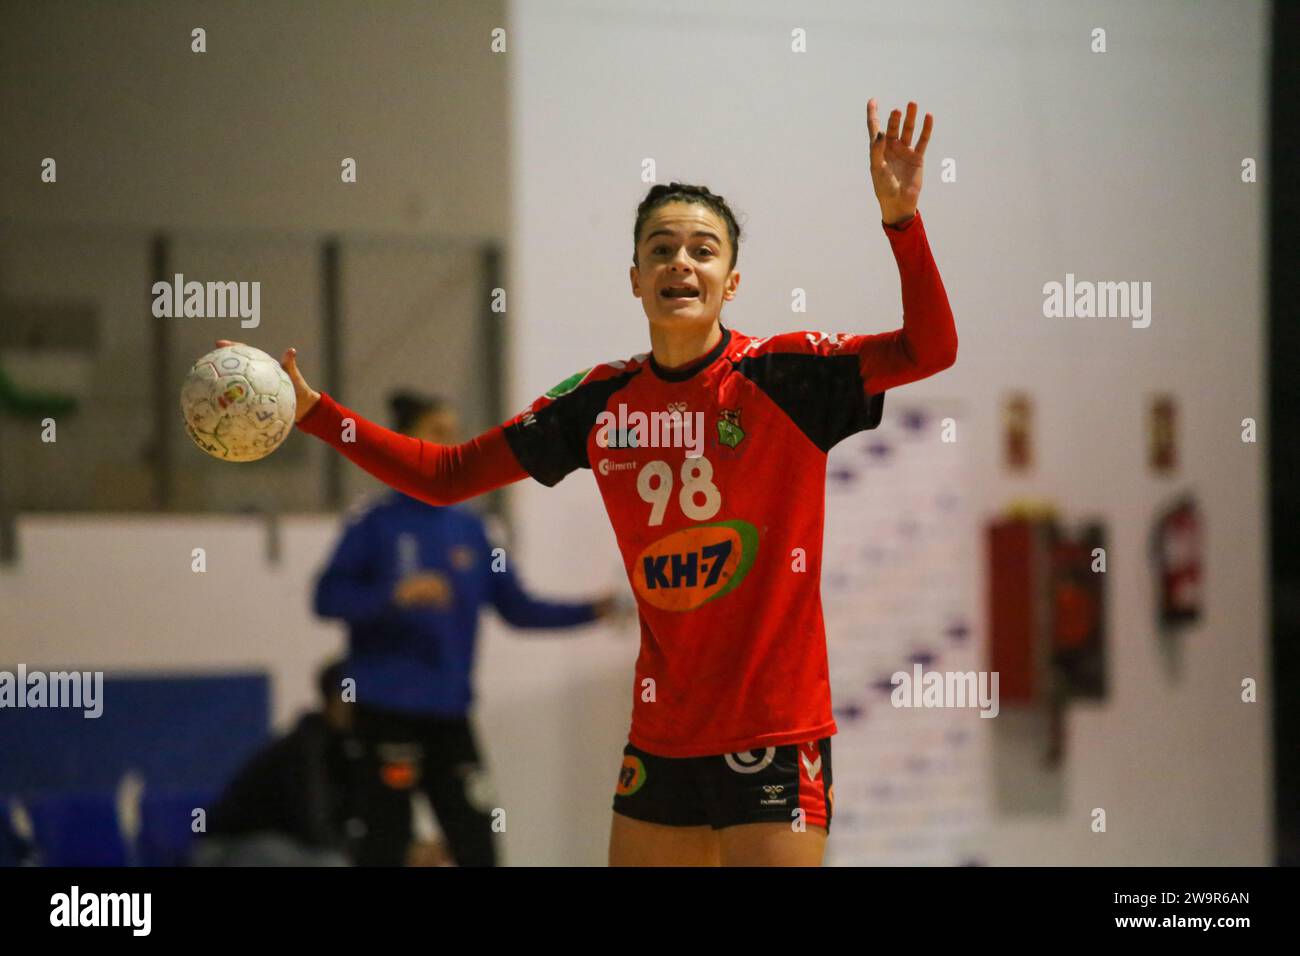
680,293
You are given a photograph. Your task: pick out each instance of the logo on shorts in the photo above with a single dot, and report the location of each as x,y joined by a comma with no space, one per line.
774,796
631,777
399,765
746,761
398,776
813,767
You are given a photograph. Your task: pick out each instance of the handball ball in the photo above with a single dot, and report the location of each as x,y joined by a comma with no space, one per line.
238,403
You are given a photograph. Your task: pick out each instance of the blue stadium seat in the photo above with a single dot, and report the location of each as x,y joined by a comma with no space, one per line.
9,851
166,819
77,829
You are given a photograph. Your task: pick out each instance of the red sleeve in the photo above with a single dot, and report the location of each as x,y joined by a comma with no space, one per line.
437,474
927,342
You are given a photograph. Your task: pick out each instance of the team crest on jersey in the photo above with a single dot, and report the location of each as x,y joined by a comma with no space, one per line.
729,431
689,568
569,384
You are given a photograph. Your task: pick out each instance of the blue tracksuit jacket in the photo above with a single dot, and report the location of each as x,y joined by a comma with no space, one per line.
420,660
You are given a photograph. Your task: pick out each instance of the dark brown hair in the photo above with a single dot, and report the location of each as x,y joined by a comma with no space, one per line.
409,407
660,195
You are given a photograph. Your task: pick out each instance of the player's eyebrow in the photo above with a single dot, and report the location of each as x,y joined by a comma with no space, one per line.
672,235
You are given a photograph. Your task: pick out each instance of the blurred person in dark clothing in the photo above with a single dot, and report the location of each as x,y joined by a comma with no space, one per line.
409,580
294,802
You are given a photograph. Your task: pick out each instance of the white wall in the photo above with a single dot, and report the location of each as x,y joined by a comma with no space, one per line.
1115,166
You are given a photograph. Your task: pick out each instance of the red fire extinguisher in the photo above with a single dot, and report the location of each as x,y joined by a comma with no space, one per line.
1176,547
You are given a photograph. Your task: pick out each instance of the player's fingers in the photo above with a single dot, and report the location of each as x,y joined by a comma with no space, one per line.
909,124
294,372
880,138
222,343
891,132
877,151
307,396
924,141
876,137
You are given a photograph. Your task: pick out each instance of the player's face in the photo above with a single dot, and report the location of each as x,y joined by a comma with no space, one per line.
684,246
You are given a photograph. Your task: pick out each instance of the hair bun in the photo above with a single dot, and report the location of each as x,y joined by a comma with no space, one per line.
401,401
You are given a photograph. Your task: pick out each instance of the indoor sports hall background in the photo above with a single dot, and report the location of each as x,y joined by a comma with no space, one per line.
505,146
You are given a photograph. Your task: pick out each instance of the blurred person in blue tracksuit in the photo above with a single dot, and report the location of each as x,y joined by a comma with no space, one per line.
409,579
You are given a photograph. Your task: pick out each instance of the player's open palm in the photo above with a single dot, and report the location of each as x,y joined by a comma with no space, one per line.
306,396
895,162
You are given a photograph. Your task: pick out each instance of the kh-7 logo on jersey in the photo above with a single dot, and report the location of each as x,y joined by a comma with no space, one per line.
689,568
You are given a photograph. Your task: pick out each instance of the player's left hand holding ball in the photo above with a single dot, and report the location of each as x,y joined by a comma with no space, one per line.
239,404
896,163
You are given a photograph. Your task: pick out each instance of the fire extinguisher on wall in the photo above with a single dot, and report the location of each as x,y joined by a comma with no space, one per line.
1176,549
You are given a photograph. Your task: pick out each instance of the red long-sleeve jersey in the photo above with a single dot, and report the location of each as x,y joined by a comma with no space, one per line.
720,529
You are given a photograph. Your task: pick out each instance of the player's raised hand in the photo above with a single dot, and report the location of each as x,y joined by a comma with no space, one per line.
895,162
306,396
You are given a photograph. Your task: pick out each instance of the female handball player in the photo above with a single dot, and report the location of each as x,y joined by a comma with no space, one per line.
728,758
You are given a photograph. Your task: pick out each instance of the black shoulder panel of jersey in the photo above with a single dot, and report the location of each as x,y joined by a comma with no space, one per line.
823,394
551,441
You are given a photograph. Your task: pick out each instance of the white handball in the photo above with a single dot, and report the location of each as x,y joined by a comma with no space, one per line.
238,403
